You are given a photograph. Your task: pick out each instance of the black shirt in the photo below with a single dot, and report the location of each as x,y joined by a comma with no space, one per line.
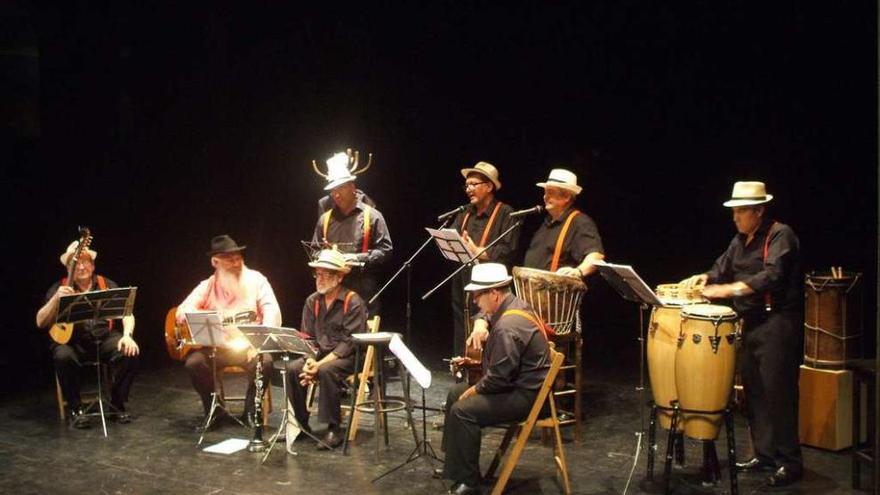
503,250
87,330
516,353
780,275
332,328
582,239
348,231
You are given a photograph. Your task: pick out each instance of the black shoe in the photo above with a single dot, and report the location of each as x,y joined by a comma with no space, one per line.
79,420
464,489
437,474
332,439
220,417
755,465
119,415
785,476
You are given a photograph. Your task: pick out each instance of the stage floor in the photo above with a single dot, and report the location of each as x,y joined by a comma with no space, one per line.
157,452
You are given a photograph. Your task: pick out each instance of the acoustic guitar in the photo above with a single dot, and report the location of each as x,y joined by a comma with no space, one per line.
178,337
62,332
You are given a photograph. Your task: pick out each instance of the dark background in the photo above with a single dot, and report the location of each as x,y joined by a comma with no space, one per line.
161,125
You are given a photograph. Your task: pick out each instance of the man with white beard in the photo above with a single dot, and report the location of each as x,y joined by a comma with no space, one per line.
330,315
237,292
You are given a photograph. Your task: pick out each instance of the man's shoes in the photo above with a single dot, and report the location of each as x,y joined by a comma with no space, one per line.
79,420
332,439
437,474
464,489
119,415
785,476
755,465
220,416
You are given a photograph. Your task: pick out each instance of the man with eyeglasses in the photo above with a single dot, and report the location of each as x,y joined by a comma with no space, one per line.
330,315
484,219
515,363
232,290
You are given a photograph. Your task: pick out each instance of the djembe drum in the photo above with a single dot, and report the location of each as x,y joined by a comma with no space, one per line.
663,333
832,319
555,298
704,366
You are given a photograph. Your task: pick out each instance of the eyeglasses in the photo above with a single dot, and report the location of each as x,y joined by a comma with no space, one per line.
323,275
471,185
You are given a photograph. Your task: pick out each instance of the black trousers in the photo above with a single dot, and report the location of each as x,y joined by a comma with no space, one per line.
198,365
465,419
769,361
330,378
68,359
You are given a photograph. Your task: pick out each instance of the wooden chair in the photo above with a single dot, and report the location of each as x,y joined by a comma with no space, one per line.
365,374
524,430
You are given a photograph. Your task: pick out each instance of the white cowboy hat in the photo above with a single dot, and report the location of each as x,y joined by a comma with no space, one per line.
65,257
331,259
488,276
338,172
485,169
563,179
748,193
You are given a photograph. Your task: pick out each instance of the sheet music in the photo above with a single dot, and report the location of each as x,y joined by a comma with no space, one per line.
410,361
627,283
451,244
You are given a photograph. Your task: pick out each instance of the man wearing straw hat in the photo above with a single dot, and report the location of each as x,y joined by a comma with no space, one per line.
480,223
515,363
330,315
355,227
116,347
233,289
567,242
760,271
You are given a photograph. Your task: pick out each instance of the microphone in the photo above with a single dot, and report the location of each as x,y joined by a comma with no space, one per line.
452,212
530,211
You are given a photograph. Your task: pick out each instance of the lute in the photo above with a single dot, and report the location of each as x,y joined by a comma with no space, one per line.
62,332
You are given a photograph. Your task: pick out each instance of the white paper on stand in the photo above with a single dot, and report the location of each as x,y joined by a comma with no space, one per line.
451,245
228,446
410,361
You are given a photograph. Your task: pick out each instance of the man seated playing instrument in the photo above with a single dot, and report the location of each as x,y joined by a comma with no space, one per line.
330,316
116,347
232,289
515,363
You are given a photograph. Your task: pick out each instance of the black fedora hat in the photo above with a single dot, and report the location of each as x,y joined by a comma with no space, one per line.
224,244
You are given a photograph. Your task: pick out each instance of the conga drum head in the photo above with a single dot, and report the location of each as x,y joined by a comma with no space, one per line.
555,298
709,312
679,295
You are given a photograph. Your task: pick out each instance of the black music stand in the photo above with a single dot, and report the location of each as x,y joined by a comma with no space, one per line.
206,329
283,341
109,304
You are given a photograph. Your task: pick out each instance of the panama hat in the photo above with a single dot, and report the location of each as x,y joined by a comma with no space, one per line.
338,172
331,259
747,193
65,257
485,169
488,276
563,179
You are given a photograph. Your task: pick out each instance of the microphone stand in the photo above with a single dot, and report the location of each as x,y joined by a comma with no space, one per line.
472,259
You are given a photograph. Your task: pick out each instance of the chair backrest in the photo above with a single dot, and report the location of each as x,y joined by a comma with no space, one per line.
373,324
556,359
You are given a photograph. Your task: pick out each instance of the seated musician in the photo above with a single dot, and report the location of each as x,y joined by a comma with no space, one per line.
233,289
515,363
330,315
567,241
116,342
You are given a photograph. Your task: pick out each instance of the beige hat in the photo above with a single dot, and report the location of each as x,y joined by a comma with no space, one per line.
72,249
488,276
747,193
338,172
485,169
331,259
563,179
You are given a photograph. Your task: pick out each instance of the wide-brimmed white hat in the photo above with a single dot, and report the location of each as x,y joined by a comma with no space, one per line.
485,169
331,259
338,172
563,179
488,276
65,257
747,193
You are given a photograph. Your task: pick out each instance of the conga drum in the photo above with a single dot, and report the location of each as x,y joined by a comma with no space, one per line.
704,366
832,319
556,298
663,332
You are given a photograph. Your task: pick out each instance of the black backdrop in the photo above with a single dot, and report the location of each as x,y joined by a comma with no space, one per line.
161,126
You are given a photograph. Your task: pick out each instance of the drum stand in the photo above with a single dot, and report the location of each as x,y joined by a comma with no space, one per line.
710,459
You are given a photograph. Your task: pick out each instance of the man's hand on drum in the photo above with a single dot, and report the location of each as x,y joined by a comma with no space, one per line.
479,334
695,281
570,271
724,291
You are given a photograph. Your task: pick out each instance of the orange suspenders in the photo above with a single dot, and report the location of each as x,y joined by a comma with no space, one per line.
768,298
344,303
487,229
561,240
365,245
529,316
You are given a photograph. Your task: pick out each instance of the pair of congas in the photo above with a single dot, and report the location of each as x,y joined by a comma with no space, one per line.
691,358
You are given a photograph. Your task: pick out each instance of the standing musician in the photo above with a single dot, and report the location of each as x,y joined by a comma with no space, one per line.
233,288
761,271
354,226
483,220
330,315
515,363
567,240
115,346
